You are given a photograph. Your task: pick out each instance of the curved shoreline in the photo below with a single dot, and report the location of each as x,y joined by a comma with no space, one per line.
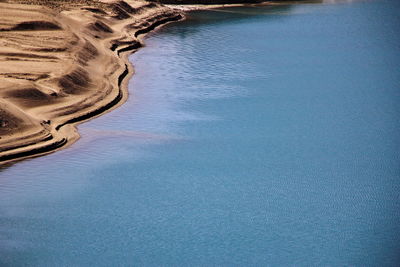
39,115
56,128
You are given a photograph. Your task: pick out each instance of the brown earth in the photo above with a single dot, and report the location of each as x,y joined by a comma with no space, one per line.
63,62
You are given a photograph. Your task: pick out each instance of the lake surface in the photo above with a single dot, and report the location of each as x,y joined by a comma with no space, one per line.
252,137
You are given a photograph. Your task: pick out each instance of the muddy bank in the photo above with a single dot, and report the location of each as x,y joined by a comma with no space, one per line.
64,62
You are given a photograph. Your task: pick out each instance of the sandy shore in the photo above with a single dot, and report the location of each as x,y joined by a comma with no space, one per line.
63,62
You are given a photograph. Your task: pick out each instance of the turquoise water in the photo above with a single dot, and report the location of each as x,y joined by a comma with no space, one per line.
252,136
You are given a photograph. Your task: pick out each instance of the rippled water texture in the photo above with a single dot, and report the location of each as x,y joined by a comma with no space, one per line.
252,136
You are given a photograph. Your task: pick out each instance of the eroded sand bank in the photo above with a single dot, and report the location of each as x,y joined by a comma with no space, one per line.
63,62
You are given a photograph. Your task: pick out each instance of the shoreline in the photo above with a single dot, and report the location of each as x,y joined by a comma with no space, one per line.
39,115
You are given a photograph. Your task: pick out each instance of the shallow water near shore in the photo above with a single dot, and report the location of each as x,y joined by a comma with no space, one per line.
252,136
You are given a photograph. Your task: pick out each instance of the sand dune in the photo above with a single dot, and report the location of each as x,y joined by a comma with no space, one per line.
62,62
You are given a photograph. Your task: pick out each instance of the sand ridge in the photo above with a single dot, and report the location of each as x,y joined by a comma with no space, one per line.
63,62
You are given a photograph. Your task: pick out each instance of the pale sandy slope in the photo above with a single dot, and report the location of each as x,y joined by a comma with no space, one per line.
62,62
